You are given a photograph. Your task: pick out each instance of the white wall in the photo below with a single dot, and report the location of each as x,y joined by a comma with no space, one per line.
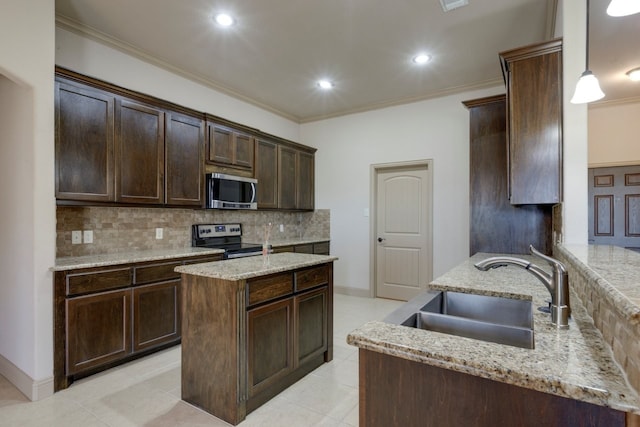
27,246
435,129
575,136
614,134
94,59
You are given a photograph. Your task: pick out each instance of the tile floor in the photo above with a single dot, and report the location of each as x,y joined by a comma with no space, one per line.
146,392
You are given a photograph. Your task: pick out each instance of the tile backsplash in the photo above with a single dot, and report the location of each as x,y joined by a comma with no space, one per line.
122,229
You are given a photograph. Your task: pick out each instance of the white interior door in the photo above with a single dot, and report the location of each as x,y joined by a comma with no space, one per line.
403,238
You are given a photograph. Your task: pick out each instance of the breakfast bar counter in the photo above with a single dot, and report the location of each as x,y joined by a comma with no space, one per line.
575,364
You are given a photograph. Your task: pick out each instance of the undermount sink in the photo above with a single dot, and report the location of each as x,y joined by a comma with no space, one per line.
488,318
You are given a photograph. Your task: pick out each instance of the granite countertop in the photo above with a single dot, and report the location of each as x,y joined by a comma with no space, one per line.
249,267
618,267
575,363
88,261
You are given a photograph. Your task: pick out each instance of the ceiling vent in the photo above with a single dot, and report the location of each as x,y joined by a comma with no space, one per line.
448,5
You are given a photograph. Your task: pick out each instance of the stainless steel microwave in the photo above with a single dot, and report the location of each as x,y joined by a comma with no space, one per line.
231,192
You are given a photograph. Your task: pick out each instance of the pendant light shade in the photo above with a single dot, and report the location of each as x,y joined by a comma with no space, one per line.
623,7
587,88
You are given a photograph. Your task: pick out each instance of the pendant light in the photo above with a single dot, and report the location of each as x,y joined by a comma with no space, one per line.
623,7
587,88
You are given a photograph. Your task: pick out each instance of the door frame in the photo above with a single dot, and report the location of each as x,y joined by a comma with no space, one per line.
375,169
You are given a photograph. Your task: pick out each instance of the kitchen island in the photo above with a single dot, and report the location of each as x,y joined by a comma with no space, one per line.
253,326
451,380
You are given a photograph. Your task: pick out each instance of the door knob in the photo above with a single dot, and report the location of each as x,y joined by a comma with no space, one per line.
380,239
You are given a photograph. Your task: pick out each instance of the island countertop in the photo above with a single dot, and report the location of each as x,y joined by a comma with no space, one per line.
575,363
249,267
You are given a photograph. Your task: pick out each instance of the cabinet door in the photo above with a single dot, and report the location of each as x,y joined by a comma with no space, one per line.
220,145
269,344
534,99
84,144
310,325
243,150
266,173
98,330
305,181
287,194
139,153
156,315
184,144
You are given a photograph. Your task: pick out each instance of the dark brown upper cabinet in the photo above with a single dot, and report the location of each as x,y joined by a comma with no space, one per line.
184,146
139,153
285,176
84,143
266,172
533,75
229,147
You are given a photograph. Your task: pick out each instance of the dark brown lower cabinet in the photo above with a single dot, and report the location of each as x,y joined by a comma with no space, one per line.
245,341
400,392
105,316
101,332
156,314
269,345
311,325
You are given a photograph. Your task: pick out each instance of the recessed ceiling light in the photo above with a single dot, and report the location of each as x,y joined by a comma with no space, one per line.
325,84
634,74
448,5
224,20
421,58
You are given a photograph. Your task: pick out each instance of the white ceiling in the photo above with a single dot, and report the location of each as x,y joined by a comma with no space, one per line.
279,48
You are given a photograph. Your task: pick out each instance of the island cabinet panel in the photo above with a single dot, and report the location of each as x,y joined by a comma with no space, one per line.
311,325
139,153
235,357
99,330
84,144
533,75
184,145
156,314
399,392
269,346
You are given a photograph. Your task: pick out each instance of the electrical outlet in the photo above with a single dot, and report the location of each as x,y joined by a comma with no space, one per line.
76,237
159,233
88,236
282,228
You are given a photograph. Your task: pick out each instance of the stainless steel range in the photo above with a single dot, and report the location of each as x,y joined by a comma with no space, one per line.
223,236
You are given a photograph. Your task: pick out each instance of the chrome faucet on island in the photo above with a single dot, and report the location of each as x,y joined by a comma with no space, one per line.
557,283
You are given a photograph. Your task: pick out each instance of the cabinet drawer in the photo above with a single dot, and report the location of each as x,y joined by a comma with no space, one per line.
156,272
281,249
210,258
98,281
304,249
310,277
268,288
321,248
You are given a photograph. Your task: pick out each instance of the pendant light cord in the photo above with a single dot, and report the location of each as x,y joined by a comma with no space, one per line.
586,65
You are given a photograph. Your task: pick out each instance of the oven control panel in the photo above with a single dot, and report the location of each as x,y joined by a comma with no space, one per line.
203,231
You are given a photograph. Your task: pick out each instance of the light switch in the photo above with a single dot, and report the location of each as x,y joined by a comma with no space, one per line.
88,236
281,228
76,237
159,233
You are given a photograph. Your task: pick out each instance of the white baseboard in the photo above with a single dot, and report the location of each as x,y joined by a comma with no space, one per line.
34,390
364,293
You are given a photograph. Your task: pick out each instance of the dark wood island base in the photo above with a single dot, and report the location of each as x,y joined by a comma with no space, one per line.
246,340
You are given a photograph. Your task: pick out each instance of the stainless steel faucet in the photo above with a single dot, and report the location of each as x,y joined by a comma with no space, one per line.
557,283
